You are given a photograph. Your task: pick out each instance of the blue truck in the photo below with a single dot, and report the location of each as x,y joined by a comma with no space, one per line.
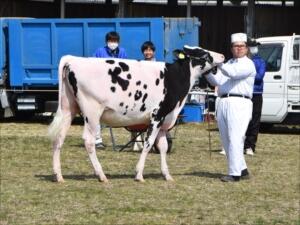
30,50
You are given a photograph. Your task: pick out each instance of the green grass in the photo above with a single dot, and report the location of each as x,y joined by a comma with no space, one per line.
28,195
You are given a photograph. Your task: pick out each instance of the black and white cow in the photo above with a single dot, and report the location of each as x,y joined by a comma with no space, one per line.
123,92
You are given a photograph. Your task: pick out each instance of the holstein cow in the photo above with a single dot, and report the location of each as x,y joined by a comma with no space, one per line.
123,93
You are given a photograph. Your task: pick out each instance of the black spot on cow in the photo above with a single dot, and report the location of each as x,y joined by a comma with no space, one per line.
126,110
110,61
164,91
162,75
143,108
124,66
73,82
129,76
115,78
138,94
199,62
113,89
86,119
160,122
149,132
133,107
129,94
145,86
144,97
121,104
157,82
138,83
114,74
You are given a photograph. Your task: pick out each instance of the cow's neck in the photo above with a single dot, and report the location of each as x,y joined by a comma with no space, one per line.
177,84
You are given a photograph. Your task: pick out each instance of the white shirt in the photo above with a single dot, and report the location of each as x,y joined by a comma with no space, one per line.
234,77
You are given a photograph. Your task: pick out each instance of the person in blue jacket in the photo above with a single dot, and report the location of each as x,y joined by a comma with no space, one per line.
111,50
257,99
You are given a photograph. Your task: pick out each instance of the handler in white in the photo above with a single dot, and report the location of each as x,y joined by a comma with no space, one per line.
235,80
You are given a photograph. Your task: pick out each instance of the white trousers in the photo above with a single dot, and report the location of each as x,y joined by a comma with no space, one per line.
233,117
98,135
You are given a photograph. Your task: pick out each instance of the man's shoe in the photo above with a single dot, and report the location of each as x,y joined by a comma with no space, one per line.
100,145
230,178
245,174
249,151
222,152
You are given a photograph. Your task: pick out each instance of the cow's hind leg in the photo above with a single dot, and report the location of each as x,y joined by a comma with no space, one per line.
162,144
62,123
92,114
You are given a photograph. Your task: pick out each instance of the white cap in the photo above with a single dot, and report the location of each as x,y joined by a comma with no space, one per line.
239,37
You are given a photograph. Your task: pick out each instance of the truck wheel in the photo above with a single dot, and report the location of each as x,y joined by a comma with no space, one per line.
1,113
24,116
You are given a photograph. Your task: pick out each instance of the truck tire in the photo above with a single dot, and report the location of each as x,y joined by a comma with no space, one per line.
24,116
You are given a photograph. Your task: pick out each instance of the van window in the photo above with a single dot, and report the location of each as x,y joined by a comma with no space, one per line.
272,54
296,51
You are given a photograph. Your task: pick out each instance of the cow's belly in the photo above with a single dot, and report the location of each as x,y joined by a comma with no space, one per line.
114,119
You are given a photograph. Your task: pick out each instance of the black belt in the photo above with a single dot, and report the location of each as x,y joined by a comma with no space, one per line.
235,95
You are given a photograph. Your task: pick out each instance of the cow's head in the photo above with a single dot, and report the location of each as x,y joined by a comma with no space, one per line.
201,60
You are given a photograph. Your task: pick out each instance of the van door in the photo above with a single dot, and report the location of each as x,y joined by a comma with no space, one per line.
293,80
274,98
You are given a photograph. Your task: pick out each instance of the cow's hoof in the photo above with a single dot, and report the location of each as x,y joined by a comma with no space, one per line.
169,178
139,179
104,180
59,179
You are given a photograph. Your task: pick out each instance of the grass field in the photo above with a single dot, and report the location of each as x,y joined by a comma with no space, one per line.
28,195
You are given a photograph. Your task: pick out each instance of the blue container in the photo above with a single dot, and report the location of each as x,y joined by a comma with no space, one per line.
35,46
193,113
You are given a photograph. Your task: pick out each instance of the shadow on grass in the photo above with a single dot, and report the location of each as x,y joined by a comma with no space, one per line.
66,177
37,119
204,174
78,177
281,129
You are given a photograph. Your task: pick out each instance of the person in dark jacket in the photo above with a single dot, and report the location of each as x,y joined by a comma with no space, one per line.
257,99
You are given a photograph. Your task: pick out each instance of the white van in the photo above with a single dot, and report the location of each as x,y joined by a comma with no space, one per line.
281,96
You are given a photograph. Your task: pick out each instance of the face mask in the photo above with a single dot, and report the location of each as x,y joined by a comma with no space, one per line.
112,45
253,50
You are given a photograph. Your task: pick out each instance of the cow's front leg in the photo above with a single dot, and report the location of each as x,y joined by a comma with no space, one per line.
162,144
149,141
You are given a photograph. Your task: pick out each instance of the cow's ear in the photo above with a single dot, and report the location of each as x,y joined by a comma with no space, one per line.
179,54
189,50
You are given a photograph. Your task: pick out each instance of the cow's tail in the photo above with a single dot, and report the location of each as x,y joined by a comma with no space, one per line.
56,125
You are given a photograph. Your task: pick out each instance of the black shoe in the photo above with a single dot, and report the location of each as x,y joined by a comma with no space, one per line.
245,174
230,178
100,145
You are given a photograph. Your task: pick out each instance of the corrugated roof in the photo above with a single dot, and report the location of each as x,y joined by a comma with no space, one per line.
184,2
